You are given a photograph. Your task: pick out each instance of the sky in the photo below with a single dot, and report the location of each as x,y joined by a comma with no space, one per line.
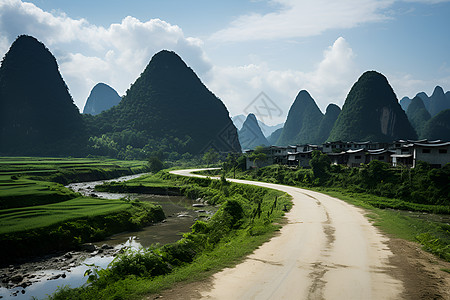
254,55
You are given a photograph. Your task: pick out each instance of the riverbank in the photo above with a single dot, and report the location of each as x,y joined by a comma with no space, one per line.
247,216
39,215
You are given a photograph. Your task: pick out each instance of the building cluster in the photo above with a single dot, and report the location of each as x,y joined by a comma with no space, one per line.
399,153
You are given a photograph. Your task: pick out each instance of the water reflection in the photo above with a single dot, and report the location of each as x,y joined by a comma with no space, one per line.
180,212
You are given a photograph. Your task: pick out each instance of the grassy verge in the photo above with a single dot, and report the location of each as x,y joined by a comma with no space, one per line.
432,234
398,218
244,221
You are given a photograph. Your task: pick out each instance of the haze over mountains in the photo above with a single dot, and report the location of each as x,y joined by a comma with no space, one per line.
251,135
168,109
434,104
101,98
267,130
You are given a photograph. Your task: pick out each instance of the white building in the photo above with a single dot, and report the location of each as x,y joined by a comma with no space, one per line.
437,155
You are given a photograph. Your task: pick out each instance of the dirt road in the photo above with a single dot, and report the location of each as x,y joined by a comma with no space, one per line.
327,250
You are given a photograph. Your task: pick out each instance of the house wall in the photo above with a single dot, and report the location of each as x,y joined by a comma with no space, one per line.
435,156
355,160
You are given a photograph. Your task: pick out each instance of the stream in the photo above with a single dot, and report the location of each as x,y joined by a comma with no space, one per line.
42,276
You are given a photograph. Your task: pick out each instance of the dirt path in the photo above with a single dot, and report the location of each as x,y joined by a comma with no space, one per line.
327,250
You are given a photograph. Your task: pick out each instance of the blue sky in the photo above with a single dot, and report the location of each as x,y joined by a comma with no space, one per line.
242,48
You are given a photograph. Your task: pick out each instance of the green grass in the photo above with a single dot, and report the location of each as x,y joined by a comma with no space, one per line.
33,200
26,218
219,243
30,181
434,236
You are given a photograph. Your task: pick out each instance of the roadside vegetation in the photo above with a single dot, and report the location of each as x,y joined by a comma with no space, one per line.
39,215
412,204
247,216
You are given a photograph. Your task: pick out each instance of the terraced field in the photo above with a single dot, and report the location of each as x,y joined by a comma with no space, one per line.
36,207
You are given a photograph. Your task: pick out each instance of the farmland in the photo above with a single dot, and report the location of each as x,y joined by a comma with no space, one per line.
39,214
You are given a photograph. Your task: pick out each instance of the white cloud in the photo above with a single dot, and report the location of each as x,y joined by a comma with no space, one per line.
88,54
409,86
328,83
302,18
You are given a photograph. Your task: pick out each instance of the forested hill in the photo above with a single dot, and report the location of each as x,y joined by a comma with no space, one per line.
302,122
418,115
438,127
37,113
168,106
371,112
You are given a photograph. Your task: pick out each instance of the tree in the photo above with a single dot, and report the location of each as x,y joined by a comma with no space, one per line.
155,164
231,162
258,155
210,156
320,165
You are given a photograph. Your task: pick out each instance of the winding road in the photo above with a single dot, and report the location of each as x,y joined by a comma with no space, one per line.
327,250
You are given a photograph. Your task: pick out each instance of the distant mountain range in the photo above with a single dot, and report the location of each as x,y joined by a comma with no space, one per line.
101,98
267,130
434,104
170,111
251,135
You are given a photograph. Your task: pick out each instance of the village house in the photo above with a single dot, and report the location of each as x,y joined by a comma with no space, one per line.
356,157
404,153
300,159
436,154
383,155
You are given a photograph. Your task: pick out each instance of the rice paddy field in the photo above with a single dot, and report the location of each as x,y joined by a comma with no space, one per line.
33,196
27,181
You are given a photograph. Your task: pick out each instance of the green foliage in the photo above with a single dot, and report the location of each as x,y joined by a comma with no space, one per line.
418,115
61,226
438,127
167,108
302,122
39,215
320,165
434,245
211,156
155,164
419,189
210,245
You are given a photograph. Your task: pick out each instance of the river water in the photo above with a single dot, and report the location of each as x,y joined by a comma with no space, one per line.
48,273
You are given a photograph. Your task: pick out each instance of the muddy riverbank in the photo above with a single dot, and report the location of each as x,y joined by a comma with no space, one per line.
43,275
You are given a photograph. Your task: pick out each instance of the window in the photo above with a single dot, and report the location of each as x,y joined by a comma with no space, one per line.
358,157
380,157
426,151
442,151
